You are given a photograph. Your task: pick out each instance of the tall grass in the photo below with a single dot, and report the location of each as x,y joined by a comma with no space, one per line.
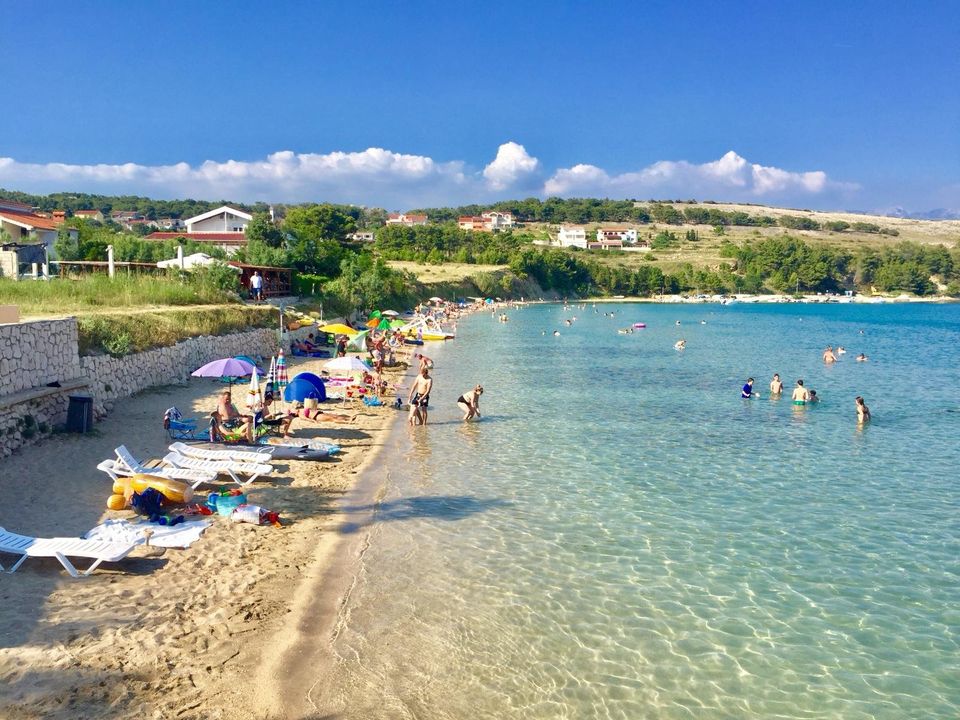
120,335
66,295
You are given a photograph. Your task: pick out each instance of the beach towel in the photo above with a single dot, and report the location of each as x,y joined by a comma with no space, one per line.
124,531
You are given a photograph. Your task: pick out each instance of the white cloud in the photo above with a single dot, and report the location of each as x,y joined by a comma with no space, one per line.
729,178
399,181
512,167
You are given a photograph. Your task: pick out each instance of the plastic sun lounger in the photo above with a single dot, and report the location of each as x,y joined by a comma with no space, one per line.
233,469
230,455
62,549
127,464
194,478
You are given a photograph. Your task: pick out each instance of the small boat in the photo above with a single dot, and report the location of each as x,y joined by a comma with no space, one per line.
639,325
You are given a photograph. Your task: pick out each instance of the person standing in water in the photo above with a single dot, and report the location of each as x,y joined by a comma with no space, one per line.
420,397
469,402
863,412
828,357
776,387
747,390
800,394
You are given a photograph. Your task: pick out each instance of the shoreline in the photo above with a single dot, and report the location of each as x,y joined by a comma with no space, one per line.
291,673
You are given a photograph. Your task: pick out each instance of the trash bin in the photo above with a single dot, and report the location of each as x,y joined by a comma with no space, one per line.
80,414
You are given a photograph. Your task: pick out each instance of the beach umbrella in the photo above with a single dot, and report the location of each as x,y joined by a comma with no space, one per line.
390,313
375,314
436,300
346,364
225,367
337,329
254,401
373,322
271,378
397,324
282,378
358,341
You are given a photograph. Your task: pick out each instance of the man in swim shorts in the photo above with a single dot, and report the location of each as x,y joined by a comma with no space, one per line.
800,394
420,397
776,387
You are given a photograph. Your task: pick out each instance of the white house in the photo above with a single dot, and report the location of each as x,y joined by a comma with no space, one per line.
223,228
624,235
405,219
572,237
362,237
223,219
495,220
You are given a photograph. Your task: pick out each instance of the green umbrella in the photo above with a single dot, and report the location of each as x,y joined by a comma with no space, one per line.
374,314
358,341
384,324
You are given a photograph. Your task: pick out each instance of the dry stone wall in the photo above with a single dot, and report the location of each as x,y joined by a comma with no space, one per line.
34,355
114,378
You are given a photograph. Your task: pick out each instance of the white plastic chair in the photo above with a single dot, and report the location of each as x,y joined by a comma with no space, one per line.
116,470
227,467
127,464
254,456
62,549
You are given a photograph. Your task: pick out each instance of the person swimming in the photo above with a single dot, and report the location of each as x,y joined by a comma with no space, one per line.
862,358
680,345
812,397
841,350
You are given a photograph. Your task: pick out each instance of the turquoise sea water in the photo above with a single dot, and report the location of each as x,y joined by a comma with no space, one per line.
622,536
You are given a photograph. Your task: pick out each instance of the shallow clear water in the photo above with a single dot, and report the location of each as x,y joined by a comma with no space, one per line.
622,536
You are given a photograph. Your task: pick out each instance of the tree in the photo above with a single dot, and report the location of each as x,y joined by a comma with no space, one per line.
261,229
313,223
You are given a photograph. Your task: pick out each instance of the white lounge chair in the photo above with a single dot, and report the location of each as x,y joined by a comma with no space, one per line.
224,454
127,464
62,549
194,478
233,469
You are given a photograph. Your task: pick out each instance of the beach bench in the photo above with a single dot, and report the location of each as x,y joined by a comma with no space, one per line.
194,478
127,464
62,549
226,467
224,454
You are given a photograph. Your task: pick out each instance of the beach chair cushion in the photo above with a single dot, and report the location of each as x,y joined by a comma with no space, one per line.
62,549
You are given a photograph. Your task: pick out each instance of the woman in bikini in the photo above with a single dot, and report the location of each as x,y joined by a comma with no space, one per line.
469,402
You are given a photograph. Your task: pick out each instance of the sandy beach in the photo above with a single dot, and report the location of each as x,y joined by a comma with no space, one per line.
188,634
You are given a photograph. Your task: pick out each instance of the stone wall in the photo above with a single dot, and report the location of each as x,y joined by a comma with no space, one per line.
33,354
114,378
36,354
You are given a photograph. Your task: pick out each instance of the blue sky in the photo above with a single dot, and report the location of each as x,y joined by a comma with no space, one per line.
851,105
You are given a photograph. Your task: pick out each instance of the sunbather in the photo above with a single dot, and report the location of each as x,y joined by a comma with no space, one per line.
229,418
314,415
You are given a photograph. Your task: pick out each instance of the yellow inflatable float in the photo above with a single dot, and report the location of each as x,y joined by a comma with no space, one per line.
173,490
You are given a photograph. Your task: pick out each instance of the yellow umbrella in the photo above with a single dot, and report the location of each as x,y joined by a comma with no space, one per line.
338,329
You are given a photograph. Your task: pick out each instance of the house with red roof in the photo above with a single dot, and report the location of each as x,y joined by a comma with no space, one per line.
405,219
25,227
224,227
